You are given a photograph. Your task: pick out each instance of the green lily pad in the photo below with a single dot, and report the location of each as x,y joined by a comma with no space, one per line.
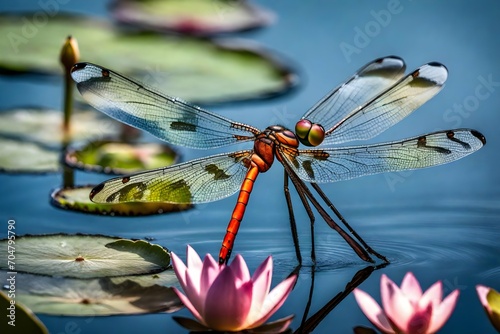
31,138
77,199
195,17
92,297
23,320
197,70
45,125
164,278
18,156
121,158
84,256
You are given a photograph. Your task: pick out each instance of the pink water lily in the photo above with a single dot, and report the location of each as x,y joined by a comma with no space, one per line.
226,298
490,299
407,310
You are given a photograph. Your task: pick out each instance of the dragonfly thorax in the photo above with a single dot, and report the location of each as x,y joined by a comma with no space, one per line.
273,138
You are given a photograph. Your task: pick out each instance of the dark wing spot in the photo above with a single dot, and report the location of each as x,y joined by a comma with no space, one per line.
96,190
307,164
218,173
435,64
182,126
451,136
479,136
181,184
421,141
125,179
111,198
415,74
133,191
105,73
78,66
439,149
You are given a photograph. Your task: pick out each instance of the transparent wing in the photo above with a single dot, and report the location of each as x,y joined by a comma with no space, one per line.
170,119
390,106
338,164
368,82
197,181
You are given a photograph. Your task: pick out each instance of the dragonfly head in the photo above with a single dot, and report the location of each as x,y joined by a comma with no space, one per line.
309,134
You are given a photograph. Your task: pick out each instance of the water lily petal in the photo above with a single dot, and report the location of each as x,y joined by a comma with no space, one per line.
180,269
443,312
274,300
396,304
420,321
226,306
185,300
372,311
265,269
274,327
261,285
209,273
433,295
411,288
240,269
482,292
192,291
194,263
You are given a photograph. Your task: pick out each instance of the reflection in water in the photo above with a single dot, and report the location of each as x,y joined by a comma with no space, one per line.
409,235
406,237
308,324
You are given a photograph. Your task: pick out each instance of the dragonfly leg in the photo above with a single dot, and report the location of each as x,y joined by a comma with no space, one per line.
293,225
342,219
312,220
302,189
309,298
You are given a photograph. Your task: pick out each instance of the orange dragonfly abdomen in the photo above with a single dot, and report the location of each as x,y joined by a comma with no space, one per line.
238,212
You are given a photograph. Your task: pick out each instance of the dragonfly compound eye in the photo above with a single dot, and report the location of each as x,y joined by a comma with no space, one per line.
309,134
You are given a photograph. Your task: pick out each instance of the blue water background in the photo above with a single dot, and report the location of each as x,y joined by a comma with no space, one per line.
440,223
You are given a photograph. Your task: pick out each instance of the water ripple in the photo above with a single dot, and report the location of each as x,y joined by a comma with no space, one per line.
465,233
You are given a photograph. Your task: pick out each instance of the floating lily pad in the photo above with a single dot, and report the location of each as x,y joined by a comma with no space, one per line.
23,320
18,156
121,158
85,256
197,70
195,17
77,199
164,278
45,125
92,297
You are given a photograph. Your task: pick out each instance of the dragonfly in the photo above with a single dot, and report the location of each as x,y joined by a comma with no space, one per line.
376,97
